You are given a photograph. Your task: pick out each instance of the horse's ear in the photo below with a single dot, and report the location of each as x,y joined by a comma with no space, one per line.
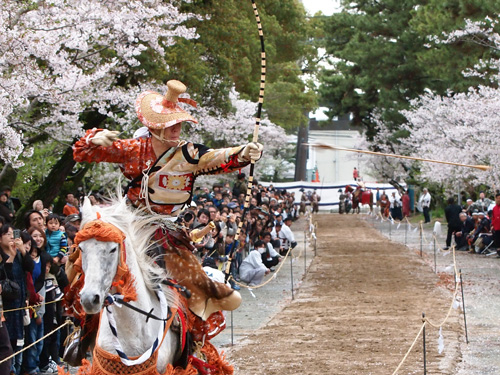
88,212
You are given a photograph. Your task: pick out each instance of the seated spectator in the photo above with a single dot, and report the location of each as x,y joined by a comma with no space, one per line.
211,268
286,235
483,228
270,258
466,229
252,270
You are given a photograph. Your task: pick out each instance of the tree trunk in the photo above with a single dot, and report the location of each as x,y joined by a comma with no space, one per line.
52,185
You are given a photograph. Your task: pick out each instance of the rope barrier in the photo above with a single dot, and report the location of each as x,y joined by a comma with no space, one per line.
31,306
268,280
67,322
288,253
426,320
409,350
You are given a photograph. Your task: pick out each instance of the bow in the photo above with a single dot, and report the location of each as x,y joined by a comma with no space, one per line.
255,134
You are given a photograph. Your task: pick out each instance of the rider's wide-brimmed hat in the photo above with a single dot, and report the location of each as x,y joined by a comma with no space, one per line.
158,111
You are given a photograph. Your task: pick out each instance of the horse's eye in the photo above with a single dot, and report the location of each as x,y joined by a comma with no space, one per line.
113,250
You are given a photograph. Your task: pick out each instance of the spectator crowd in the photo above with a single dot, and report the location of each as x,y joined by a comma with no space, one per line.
475,227
33,258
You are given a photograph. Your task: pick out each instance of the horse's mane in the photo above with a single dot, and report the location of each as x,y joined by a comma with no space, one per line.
139,228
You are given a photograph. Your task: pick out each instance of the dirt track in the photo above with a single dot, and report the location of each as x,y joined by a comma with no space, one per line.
358,311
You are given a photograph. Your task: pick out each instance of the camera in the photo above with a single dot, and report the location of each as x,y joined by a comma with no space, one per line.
17,233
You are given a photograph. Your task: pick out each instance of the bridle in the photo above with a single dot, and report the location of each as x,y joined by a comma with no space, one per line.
125,291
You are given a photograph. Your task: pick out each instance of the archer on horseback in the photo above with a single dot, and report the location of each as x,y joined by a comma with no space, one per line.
162,169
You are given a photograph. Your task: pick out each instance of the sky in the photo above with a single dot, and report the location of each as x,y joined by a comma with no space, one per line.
326,6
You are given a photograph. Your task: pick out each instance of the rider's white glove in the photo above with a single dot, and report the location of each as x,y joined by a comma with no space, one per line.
251,151
105,138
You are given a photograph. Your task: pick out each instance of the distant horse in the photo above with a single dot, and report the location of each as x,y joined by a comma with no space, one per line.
113,243
356,200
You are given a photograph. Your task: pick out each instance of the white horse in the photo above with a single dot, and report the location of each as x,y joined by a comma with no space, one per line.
133,335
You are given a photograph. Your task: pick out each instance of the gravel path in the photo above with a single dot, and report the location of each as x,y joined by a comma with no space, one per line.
481,274
357,311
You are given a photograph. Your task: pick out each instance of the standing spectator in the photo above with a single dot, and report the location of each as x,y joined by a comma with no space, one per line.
5,211
384,204
425,202
452,214
406,204
34,219
395,202
10,203
35,330
303,201
74,220
49,357
355,174
70,207
5,347
495,222
315,198
16,261
38,205
341,201
240,186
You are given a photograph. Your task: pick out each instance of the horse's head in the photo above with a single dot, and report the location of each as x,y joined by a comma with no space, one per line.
100,245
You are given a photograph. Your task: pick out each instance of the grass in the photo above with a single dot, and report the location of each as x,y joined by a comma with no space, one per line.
436,215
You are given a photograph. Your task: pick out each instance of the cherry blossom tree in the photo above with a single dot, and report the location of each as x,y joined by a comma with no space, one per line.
457,127
61,59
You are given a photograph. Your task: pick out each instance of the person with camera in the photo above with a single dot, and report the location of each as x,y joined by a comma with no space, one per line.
14,263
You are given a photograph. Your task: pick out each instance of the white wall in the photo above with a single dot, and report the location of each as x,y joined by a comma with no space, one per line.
334,165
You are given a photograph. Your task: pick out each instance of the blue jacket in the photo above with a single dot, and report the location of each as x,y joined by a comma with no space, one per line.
57,245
